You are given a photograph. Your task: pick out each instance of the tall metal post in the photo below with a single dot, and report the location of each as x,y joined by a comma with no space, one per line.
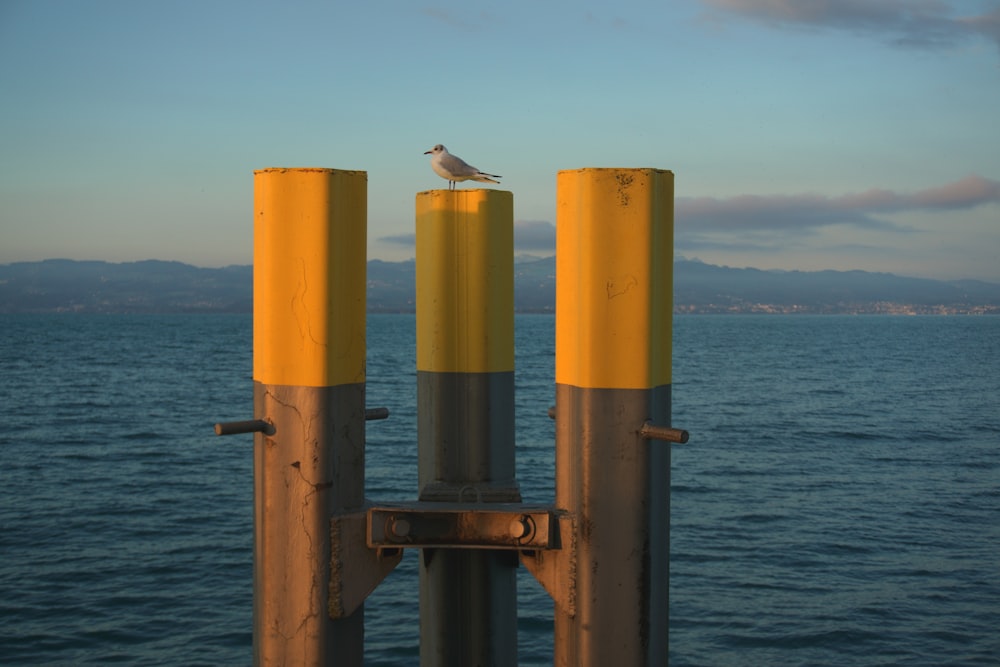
465,428
614,275
309,375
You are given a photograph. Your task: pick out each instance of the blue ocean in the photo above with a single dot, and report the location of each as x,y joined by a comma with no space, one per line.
838,502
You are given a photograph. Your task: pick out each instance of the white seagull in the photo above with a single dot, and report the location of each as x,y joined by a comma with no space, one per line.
453,168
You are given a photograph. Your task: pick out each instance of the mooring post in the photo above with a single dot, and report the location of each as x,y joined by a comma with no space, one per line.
614,275
465,427
309,386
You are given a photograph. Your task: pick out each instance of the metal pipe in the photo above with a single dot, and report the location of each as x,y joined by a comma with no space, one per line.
663,433
247,426
376,413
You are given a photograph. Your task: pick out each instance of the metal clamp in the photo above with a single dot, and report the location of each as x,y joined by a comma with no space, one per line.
462,525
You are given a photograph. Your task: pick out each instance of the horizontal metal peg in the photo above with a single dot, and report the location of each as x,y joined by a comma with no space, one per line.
248,426
267,428
651,432
664,433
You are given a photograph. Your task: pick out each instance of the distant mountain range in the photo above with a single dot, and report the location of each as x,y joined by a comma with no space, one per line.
59,285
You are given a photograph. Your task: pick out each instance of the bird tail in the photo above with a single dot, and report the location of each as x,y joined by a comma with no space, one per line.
486,178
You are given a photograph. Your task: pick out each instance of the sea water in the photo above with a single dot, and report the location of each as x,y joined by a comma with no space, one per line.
838,502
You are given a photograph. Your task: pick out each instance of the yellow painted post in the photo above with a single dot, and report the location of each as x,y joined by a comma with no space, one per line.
614,282
465,428
309,375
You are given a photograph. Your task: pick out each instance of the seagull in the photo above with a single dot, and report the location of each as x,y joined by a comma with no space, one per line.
453,168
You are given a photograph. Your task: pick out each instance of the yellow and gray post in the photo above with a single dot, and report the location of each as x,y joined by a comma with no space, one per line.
465,427
614,275
309,387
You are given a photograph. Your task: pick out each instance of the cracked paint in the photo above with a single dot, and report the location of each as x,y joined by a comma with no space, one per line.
618,286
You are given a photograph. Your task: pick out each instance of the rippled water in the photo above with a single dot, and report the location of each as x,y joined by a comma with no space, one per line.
838,502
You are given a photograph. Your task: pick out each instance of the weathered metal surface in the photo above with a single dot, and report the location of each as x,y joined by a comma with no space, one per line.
484,526
465,436
355,569
612,604
310,471
555,568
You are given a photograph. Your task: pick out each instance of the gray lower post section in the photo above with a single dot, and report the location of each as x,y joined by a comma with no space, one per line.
617,486
312,467
468,597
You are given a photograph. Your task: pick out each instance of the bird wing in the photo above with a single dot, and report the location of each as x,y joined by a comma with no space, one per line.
457,166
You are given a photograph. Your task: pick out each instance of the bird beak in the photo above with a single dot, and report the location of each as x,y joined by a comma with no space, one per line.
427,152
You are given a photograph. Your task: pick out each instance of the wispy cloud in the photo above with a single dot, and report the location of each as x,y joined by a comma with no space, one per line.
461,20
802,212
534,236
616,23
405,240
987,25
923,24
529,236
778,222
786,222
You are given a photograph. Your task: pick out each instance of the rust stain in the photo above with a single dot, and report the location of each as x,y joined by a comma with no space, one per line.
624,183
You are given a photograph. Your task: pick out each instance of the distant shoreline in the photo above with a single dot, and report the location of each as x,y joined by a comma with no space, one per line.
69,286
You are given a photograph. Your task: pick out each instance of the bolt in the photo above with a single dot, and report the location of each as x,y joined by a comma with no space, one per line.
521,527
399,527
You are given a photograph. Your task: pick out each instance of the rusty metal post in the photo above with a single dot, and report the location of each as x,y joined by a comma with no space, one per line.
465,427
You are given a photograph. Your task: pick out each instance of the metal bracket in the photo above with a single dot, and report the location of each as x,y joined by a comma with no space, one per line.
355,570
462,525
555,569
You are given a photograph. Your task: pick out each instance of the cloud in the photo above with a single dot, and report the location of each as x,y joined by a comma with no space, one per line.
987,25
922,24
805,212
529,236
775,221
445,16
534,236
616,23
405,240
464,22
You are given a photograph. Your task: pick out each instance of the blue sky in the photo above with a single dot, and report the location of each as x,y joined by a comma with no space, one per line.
832,134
